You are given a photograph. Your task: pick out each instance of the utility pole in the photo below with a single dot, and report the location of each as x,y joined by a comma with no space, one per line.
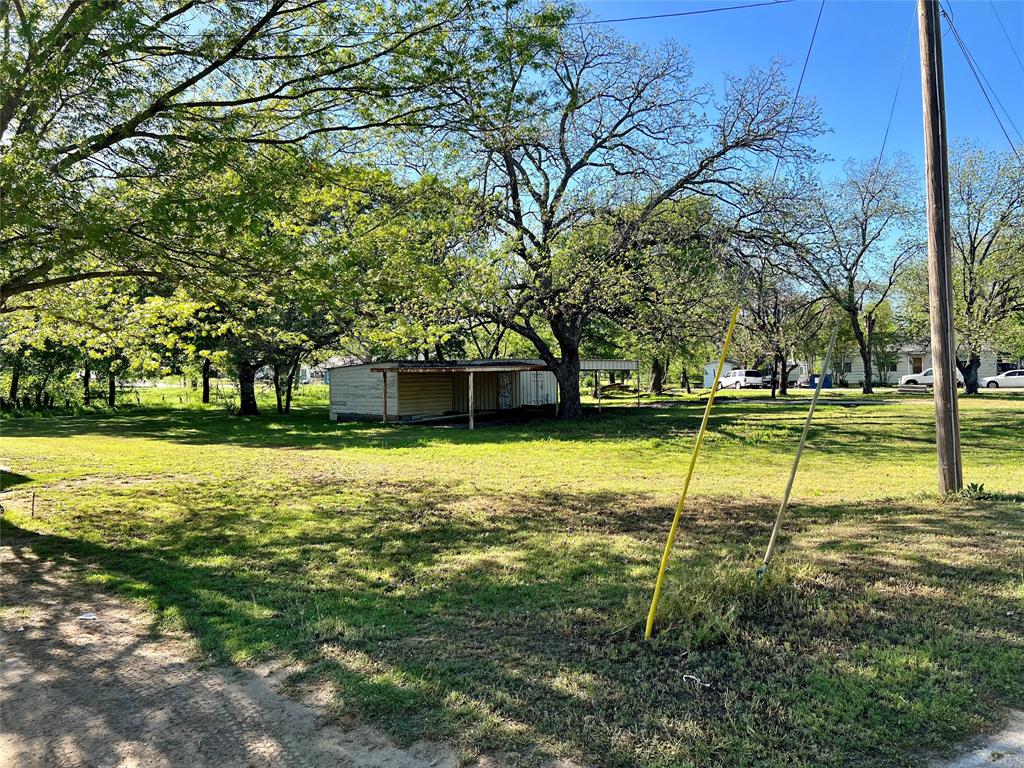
940,266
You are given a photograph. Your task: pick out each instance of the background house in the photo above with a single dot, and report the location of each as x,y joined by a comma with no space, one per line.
849,370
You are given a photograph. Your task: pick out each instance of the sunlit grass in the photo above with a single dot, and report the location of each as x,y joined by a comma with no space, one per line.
489,587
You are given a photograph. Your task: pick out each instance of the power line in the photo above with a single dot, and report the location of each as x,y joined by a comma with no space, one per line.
991,90
1007,34
799,86
896,95
369,32
971,64
677,14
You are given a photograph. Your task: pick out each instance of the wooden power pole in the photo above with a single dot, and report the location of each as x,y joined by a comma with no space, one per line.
940,266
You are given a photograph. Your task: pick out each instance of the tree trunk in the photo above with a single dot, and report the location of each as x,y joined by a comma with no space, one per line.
247,389
12,393
565,367
970,373
864,345
684,380
206,381
278,389
775,376
567,373
865,356
657,377
290,384
87,381
111,387
784,380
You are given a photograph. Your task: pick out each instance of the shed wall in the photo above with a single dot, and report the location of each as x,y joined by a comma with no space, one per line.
536,388
422,394
355,390
485,392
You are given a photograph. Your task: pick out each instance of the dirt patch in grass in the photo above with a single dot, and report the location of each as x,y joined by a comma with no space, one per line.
84,682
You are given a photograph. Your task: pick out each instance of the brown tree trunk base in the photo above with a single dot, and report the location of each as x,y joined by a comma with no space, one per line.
247,390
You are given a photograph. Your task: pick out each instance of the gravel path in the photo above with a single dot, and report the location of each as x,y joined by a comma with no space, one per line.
105,692
1004,749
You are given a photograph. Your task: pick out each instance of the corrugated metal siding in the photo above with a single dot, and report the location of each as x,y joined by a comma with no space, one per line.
421,394
608,365
358,391
537,388
485,392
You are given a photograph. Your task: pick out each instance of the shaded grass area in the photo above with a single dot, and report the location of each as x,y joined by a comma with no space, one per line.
488,587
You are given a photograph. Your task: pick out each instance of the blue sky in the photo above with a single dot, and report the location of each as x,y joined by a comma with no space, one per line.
855,63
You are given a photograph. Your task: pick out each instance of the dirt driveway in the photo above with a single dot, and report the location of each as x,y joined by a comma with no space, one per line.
104,692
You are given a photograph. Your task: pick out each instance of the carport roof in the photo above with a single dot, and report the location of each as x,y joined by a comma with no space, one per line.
587,365
459,366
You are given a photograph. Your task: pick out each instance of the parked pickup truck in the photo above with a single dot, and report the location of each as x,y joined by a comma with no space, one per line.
926,377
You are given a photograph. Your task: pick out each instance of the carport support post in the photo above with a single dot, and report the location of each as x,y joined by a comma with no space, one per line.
385,375
470,399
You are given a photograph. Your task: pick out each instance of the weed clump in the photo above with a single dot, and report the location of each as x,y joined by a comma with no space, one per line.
707,603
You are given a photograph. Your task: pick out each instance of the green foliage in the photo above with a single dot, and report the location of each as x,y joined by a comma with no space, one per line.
973,492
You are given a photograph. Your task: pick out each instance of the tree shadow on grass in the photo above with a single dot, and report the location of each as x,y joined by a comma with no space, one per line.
9,480
512,624
869,435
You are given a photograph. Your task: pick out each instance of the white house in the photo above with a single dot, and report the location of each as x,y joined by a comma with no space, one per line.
909,359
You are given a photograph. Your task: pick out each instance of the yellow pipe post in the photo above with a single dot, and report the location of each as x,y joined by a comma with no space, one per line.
689,474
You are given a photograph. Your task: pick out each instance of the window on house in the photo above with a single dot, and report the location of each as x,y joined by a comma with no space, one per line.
892,367
847,367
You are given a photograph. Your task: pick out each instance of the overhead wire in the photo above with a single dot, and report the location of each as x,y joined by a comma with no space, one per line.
1007,35
967,53
896,95
975,71
677,14
371,32
799,85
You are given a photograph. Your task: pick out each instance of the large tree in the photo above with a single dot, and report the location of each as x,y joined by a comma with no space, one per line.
987,228
96,95
851,239
778,315
581,140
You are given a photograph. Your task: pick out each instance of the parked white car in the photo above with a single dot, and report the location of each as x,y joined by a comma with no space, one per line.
1007,379
740,378
926,377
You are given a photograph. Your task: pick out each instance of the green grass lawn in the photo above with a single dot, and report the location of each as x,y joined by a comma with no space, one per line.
488,588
